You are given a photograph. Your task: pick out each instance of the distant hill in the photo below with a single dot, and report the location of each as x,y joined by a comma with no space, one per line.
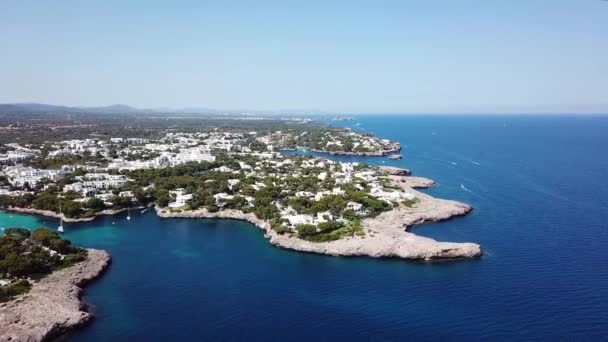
42,108
31,107
115,109
47,108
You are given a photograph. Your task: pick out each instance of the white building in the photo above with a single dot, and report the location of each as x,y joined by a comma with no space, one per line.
296,220
324,216
221,198
232,183
354,206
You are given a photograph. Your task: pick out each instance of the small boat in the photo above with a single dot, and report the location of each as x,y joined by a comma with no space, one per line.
143,211
395,157
60,228
129,214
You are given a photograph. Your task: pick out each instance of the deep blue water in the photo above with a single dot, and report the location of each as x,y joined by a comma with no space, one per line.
538,185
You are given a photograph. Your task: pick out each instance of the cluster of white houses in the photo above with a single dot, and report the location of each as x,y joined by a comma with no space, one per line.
165,159
20,176
15,156
343,173
96,183
358,140
181,148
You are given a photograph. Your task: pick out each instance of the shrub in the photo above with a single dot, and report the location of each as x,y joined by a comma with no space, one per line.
12,290
23,233
410,202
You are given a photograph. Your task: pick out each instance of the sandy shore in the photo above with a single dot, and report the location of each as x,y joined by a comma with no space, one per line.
53,306
386,234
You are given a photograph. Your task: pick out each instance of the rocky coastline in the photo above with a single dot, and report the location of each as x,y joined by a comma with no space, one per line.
361,154
54,305
49,213
386,235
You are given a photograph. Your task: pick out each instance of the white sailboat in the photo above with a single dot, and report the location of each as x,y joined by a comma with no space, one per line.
128,213
60,228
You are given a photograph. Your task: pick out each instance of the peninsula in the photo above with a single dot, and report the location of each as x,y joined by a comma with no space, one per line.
382,236
39,310
335,141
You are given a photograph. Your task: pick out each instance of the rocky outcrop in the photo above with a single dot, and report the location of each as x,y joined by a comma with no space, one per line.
392,171
411,182
386,234
53,306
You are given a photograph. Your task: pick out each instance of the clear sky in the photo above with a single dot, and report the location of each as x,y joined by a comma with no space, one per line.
347,56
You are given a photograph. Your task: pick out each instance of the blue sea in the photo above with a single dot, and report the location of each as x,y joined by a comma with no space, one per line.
539,186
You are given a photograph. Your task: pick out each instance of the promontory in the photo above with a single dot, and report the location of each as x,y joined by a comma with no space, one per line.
44,309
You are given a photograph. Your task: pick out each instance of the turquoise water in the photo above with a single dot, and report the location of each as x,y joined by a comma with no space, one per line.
541,214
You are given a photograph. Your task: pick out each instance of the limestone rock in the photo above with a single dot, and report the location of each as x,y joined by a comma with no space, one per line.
393,171
53,306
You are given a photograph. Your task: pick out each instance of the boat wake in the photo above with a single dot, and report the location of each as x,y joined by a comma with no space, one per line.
447,161
465,188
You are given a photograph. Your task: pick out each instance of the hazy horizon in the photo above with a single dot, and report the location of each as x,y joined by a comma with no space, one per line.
340,57
559,110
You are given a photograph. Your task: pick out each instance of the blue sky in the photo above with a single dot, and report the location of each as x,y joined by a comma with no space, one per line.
346,56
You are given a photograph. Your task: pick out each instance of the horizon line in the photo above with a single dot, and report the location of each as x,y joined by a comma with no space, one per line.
203,110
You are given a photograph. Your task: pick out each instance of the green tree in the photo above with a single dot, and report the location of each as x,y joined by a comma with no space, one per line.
23,233
95,204
305,230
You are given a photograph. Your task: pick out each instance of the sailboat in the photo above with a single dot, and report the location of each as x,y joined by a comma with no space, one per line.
128,213
60,228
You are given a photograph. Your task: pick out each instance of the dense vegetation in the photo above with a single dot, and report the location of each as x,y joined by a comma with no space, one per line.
203,180
52,199
330,231
25,255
